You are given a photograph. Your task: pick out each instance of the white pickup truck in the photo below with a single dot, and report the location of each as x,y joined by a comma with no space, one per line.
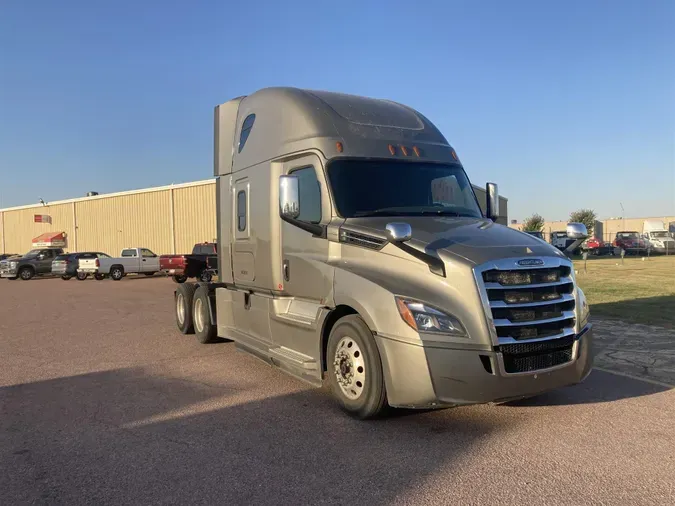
130,261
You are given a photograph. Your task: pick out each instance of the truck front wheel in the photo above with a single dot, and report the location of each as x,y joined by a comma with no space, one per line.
355,368
201,316
26,273
81,276
99,277
183,303
205,276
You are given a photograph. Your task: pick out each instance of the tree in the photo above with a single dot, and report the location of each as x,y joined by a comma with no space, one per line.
534,223
585,216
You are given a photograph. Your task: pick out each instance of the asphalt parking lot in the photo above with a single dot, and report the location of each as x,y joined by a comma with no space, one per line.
102,401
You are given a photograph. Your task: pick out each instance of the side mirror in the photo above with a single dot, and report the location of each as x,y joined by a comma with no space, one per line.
491,201
577,231
399,232
289,196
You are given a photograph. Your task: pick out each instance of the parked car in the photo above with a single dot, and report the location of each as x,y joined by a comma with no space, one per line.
597,247
67,265
202,263
37,262
90,265
130,261
630,241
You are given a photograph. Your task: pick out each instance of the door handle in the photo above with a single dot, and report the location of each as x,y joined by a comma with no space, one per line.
287,270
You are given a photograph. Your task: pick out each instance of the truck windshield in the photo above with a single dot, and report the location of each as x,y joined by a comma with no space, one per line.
32,253
390,188
662,234
627,235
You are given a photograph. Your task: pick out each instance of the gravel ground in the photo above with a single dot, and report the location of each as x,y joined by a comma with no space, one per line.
102,401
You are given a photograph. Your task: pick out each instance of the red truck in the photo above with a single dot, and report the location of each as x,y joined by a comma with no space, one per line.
202,263
630,241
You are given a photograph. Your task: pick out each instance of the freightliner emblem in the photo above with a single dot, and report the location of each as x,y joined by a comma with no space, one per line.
530,261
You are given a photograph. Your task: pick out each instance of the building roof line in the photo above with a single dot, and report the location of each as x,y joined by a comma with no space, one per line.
111,195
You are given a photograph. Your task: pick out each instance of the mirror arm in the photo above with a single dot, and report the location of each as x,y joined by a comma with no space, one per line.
436,266
317,230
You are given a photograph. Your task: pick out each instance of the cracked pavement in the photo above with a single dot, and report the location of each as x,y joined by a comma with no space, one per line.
102,402
643,351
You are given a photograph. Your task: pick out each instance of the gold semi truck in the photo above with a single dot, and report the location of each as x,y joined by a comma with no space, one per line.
352,250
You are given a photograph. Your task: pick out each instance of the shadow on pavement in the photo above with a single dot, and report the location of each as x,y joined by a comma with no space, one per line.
658,311
125,436
593,391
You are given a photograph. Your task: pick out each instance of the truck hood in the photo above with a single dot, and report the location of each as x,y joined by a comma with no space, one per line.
475,240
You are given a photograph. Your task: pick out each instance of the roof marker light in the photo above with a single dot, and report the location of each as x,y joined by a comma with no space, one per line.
416,150
339,147
454,155
404,150
392,149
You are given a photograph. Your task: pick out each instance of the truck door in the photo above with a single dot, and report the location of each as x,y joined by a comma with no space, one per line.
149,261
44,261
307,276
243,248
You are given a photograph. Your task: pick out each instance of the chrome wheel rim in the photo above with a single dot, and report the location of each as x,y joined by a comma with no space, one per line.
198,315
25,274
350,368
180,308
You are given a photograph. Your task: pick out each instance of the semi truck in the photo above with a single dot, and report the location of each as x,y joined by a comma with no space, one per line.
352,251
658,237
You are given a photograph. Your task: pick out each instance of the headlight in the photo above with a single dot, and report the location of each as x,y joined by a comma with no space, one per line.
12,265
424,318
584,310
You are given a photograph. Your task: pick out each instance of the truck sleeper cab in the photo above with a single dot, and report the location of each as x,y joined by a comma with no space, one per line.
352,249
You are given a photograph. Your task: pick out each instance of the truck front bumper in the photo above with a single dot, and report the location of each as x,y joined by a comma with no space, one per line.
427,377
8,273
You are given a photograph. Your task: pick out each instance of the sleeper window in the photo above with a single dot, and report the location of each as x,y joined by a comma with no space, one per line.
241,211
310,195
246,130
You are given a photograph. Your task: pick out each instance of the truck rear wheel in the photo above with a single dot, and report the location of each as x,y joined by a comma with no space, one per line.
355,368
205,276
201,316
66,277
180,279
117,272
183,305
99,277
81,276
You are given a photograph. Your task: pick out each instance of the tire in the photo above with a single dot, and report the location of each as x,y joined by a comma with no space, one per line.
81,276
205,276
66,278
355,368
26,273
99,277
201,317
179,279
183,307
116,272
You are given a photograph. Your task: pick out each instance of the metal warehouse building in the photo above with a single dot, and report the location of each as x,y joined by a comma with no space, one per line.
166,219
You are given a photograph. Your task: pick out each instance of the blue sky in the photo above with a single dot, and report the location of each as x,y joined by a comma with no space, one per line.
563,104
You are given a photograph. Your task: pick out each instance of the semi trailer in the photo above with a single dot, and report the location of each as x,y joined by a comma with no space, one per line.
352,250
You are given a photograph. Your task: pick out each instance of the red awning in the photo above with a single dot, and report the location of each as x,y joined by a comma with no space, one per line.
50,239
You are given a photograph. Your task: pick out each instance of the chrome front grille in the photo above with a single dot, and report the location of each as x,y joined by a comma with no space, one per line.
527,305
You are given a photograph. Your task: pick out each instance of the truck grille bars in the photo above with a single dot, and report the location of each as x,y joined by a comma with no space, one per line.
531,312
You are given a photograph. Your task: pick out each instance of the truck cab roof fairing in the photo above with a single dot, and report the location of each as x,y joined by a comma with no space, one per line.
290,120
